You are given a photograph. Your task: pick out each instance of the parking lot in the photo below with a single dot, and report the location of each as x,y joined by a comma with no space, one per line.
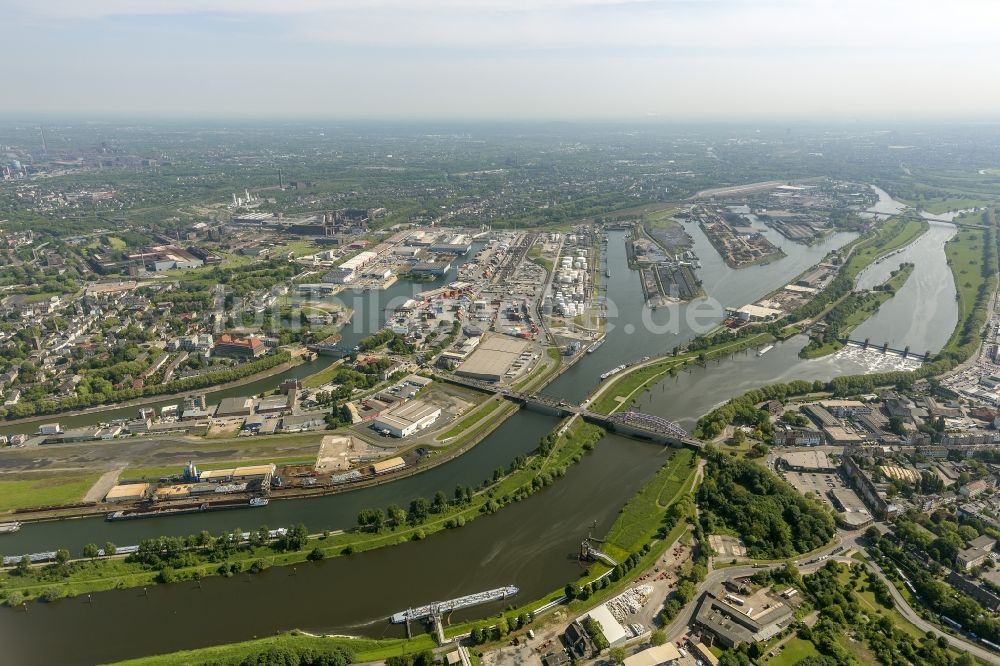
819,483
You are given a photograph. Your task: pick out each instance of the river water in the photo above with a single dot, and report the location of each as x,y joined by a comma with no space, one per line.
923,312
531,544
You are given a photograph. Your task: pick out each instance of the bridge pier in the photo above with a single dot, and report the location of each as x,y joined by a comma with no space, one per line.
439,630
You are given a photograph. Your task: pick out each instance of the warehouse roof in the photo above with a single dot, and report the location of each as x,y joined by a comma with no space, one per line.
654,656
126,491
389,464
408,414
493,357
251,470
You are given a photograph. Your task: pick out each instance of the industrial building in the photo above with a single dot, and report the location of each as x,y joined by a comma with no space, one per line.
846,408
389,465
248,473
340,275
660,655
274,403
457,244
436,266
757,313
820,416
129,492
492,358
757,618
234,407
165,258
839,436
408,419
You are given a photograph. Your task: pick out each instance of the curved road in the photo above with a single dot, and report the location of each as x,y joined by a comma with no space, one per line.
679,626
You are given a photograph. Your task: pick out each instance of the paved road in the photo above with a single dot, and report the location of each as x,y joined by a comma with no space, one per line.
922,624
679,626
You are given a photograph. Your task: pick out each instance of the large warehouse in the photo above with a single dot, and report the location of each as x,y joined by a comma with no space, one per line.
492,358
408,419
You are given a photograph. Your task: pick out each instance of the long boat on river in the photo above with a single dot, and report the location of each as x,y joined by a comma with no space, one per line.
157,511
442,607
9,528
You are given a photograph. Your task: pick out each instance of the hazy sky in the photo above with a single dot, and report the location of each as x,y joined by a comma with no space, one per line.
672,59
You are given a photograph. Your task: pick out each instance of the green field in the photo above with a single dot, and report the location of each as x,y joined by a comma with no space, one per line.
45,490
471,419
965,254
662,219
950,204
364,650
640,519
324,376
892,235
794,651
535,255
867,600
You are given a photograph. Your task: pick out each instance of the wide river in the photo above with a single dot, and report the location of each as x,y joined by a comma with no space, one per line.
532,544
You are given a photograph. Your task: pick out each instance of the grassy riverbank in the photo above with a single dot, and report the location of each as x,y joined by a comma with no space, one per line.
527,475
363,650
45,489
473,418
625,388
853,311
972,256
646,527
891,235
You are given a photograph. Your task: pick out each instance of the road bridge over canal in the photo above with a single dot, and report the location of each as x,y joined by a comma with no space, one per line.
646,427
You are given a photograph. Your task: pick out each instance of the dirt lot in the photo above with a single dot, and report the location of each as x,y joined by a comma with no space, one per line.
157,452
727,547
337,451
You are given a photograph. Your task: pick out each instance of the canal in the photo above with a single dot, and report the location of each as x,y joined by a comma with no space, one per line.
531,544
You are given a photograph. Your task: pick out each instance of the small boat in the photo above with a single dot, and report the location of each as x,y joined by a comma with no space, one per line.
764,350
9,528
607,273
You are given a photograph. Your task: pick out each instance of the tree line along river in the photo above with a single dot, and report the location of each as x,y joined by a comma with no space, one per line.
531,544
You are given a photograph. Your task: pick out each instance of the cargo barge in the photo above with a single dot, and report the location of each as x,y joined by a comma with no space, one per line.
157,511
9,528
440,608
